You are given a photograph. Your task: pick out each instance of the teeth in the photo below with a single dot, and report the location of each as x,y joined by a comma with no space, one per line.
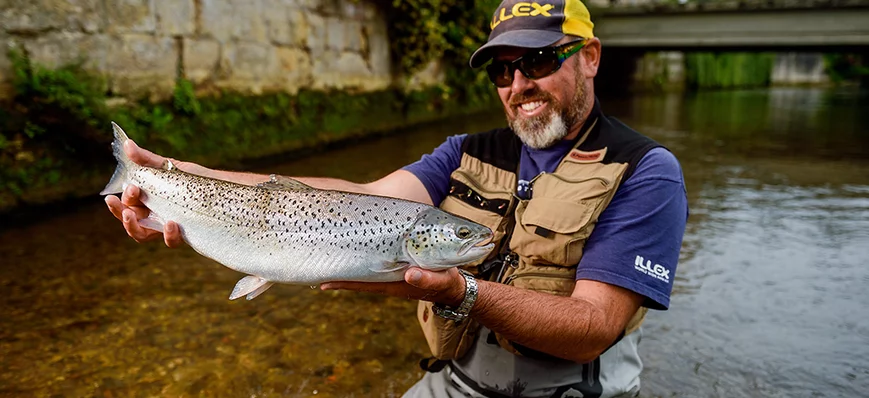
530,106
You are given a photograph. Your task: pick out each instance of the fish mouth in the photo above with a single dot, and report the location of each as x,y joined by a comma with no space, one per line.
476,244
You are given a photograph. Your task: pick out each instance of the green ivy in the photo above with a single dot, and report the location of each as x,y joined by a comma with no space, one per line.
53,117
54,134
422,31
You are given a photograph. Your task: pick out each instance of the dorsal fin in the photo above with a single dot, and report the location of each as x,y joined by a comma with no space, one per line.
282,183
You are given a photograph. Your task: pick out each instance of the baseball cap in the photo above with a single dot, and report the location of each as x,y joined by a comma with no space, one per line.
534,24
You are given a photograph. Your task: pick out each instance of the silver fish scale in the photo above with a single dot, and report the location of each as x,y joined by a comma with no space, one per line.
320,235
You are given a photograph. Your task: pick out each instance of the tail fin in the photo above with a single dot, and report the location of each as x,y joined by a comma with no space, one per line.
119,179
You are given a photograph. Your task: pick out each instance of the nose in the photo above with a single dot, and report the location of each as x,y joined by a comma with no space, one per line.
520,82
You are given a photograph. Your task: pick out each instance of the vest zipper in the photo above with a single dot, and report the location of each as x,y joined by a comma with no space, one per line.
605,181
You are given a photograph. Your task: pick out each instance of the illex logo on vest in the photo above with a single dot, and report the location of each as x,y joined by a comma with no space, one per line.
521,9
658,271
585,156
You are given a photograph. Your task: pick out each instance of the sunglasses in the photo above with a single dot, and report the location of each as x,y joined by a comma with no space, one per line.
535,64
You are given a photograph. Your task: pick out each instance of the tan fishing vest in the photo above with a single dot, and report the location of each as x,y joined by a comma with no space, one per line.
550,230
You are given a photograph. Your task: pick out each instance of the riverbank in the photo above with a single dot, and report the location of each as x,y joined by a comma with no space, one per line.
56,133
220,83
25,214
44,177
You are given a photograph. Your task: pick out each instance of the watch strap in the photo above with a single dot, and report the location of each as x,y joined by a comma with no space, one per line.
464,309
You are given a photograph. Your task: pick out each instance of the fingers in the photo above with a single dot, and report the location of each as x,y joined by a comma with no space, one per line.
431,280
172,235
131,224
388,288
130,196
142,156
129,216
446,287
117,208
394,289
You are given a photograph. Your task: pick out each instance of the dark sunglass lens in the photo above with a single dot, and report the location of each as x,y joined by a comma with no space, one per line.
540,64
500,73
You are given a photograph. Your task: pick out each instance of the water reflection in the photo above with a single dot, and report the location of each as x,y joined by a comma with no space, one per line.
772,277
769,299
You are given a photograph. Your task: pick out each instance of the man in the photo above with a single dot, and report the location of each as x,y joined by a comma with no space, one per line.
588,218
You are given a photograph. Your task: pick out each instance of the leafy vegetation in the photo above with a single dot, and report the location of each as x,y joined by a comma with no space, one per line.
55,129
847,67
728,70
450,31
55,136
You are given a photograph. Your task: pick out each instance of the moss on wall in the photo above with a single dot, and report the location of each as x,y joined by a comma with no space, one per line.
55,131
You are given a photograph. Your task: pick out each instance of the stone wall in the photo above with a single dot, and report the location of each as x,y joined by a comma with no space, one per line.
799,68
253,46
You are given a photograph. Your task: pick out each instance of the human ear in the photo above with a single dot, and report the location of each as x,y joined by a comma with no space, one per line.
591,57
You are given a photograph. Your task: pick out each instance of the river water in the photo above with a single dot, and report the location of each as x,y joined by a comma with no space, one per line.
770,298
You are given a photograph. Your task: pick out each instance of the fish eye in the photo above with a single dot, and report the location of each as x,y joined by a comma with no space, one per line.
463,232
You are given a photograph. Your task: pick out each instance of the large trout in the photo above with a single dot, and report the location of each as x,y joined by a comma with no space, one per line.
288,232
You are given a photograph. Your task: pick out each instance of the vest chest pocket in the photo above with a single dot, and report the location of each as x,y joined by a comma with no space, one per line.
486,207
494,221
553,231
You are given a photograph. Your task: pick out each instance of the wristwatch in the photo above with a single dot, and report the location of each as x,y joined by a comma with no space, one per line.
459,314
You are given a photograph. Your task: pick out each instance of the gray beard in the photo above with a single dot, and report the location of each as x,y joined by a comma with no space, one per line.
545,130
540,132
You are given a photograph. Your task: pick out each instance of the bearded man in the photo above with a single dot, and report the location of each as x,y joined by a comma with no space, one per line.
588,218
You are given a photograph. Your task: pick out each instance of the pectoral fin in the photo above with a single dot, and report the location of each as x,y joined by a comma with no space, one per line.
260,290
251,286
391,267
152,222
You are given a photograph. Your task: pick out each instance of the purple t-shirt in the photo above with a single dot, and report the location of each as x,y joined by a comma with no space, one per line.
636,242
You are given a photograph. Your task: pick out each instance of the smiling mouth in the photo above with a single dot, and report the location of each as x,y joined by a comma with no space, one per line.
531,106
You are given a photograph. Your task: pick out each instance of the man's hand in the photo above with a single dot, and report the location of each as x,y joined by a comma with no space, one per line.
129,209
443,287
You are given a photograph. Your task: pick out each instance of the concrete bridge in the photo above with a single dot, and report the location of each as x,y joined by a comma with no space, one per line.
746,25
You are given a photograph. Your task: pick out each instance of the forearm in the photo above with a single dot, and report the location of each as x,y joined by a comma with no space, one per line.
566,327
231,176
254,178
